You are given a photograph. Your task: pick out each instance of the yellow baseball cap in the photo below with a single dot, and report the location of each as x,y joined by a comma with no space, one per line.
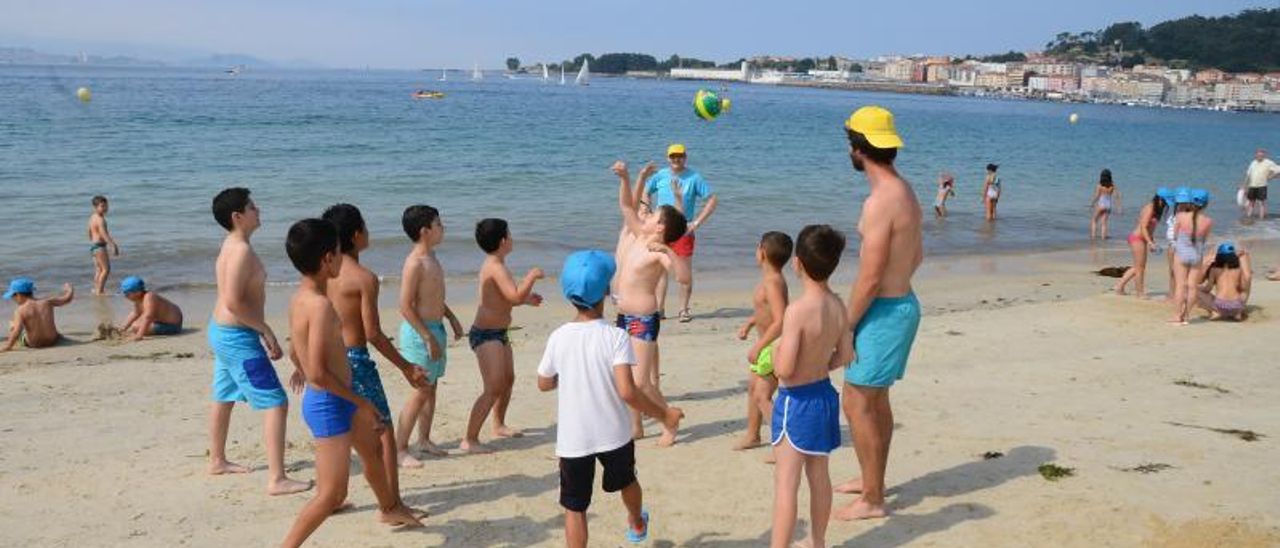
675,149
876,124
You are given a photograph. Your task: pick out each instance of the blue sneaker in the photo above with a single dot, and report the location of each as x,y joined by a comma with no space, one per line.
636,538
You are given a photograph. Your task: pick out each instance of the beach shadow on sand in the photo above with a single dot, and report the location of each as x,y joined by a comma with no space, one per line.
736,390
514,532
439,500
903,529
724,313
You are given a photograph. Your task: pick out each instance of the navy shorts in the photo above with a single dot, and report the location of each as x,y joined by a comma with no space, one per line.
579,473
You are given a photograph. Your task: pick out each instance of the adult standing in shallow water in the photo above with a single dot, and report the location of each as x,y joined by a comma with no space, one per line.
991,191
882,305
1261,170
1141,242
693,188
1105,197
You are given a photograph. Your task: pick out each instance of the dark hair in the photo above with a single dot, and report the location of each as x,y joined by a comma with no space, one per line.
992,167
1105,178
777,248
231,200
674,225
1226,260
309,240
860,143
490,233
818,247
416,218
1158,206
99,200
348,220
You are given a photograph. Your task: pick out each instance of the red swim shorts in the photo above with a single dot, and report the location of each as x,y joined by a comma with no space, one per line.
684,246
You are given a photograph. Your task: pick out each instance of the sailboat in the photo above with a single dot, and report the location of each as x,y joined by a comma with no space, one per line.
562,74
444,76
584,74
545,75
475,73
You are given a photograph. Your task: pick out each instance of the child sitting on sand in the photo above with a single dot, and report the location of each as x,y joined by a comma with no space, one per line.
152,314
816,339
768,303
1224,289
33,323
590,362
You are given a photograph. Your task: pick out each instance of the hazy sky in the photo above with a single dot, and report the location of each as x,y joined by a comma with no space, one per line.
457,33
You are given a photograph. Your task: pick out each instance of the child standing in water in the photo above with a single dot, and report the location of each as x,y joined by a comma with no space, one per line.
1141,242
946,189
99,239
991,191
1105,197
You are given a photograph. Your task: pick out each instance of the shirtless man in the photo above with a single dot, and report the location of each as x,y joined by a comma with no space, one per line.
99,239
244,345
354,294
33,319
882,305
646,258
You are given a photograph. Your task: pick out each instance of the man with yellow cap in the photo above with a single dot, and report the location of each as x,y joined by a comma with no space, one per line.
678,177
882,306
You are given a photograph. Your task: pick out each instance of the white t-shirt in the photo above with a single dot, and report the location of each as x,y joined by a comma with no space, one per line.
1260,171
592,416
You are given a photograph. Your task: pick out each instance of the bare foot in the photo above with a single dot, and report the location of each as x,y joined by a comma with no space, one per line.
1120,290
806,543
417,513
399,516
860,509
505,431
849,487
288,487
432,449
407,460
227,467
474,447
668,437
344,507
747,442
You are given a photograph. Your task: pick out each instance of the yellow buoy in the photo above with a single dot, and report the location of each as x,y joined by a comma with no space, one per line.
1073,118
84,94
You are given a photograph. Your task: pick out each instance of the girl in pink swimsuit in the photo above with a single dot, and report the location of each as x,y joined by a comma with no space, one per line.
1140,243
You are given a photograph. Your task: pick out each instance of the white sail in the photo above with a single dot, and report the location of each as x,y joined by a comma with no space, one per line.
562,74
444,76
475,73
584,74
545,74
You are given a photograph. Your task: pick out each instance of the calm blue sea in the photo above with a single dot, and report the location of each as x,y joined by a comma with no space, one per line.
161,142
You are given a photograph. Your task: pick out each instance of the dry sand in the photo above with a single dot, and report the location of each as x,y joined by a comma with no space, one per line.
105,445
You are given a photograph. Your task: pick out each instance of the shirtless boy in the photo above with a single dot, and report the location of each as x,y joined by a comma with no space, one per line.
768,304
99,239
1226,280
152,314
645,259
338,418
806,420
32,322
423,340
499,292
883,309
244,345
354,294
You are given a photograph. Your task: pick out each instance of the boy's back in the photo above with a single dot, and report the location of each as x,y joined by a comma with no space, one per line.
311,314
819,318
593,418
36,316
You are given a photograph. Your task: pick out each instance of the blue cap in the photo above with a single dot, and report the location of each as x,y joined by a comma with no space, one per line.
1182,196
1200,197
1226,248
20,286
585,277
132,284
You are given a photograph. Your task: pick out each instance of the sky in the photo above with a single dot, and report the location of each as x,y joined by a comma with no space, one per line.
458,33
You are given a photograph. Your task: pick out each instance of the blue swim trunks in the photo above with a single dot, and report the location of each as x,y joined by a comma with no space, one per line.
645,328
161,328
365,381
479,335
414,349
326,415
241,369
808,416
882,341
95,247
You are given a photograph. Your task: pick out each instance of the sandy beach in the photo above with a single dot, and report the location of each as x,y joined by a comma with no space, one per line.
1027,356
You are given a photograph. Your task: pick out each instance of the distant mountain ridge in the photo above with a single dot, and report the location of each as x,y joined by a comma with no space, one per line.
30,56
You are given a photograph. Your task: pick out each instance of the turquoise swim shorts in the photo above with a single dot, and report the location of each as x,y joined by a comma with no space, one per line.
882,341
414,349
241,369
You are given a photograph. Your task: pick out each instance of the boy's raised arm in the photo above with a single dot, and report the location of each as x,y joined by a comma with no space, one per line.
68,293
625,199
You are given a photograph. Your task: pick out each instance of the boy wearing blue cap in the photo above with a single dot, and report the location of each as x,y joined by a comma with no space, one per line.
32,322
590,361
152,314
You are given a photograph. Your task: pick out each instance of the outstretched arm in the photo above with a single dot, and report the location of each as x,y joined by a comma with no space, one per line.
630,220
520,294
68,293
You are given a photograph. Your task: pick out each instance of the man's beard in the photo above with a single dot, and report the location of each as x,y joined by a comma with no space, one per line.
857,162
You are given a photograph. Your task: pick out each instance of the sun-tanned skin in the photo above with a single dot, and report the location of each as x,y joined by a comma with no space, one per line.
98,234
644,260
34,317
316,349
149,308
891,251
422,300
499,293
354,294
242,283
769,302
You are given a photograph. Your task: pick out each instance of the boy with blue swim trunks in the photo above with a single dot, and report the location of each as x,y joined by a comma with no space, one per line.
589,362
806,416
423,340
99,239
882,306
354,294
244,345
339,419
152,314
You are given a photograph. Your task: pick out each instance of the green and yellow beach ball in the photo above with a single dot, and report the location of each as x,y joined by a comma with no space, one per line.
707,105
